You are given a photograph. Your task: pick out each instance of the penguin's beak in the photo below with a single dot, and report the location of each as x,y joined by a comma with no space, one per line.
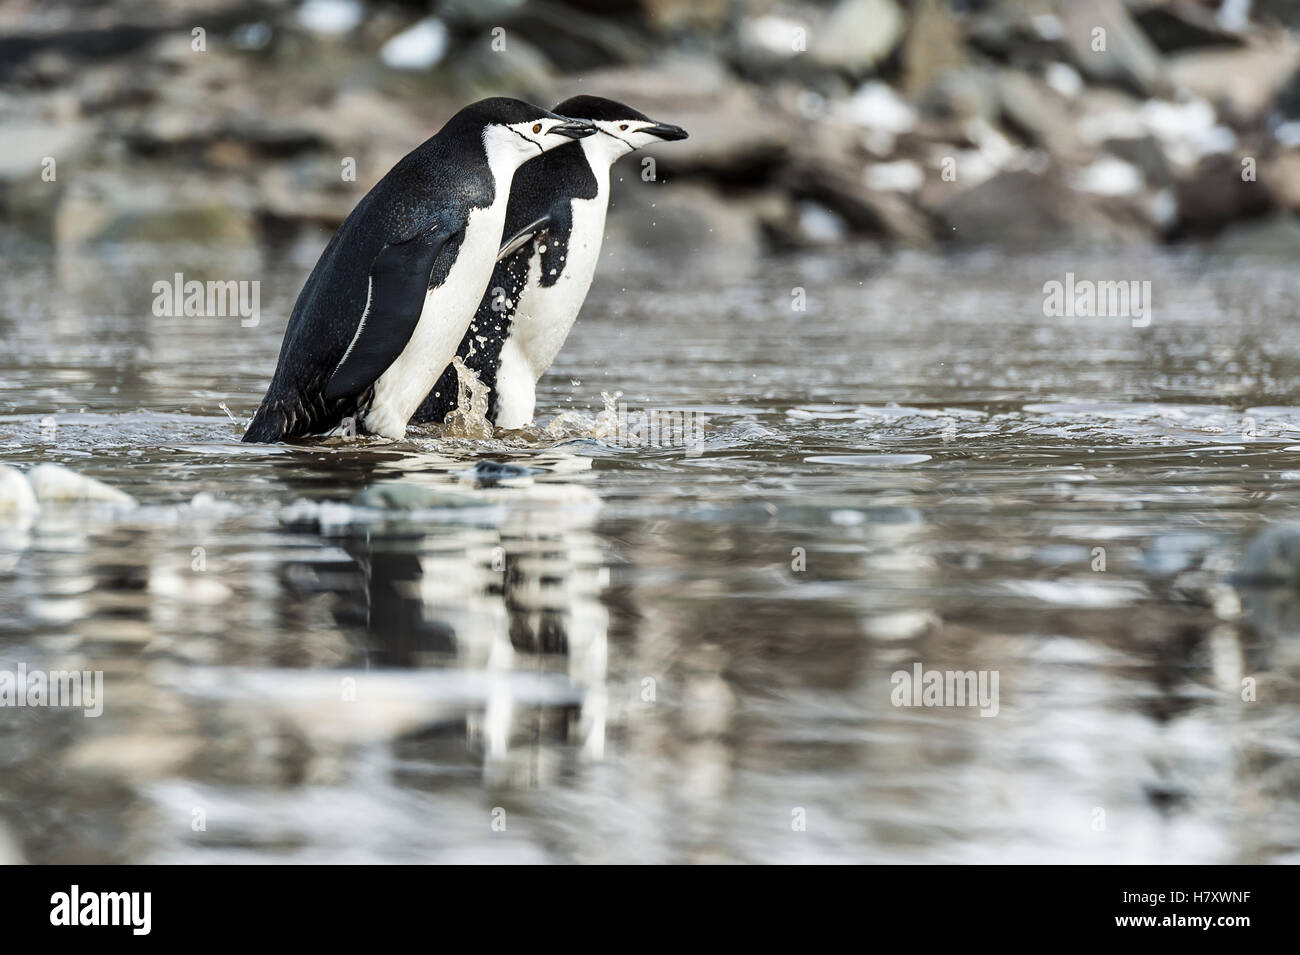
574,129
666,131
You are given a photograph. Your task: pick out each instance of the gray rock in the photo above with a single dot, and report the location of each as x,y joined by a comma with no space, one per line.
730,129
682,221
1023,209
16,495
1272,558
491,472
857,35
1176,27
1108,46
154,203
55,483
1147,155
963,94
408,496
1041,114
575,40
521,68
26,143
839,186
1214,194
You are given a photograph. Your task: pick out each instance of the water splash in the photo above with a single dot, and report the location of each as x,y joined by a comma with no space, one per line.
579,424
469,420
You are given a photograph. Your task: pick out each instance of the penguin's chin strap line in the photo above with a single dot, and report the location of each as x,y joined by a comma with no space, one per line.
540,150
629,146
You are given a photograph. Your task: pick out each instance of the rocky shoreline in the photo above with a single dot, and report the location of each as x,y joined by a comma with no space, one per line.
1015,123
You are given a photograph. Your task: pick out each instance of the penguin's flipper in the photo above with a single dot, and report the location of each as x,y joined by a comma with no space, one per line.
523,237
399,280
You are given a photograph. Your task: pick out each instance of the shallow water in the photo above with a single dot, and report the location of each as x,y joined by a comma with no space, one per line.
674,654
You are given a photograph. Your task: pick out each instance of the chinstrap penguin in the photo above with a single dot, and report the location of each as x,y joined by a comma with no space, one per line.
393,293
555,224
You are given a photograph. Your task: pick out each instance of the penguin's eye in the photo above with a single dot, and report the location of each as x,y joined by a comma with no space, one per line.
537,127
624,126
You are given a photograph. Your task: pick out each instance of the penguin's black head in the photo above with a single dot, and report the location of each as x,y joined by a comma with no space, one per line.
514,131
620,121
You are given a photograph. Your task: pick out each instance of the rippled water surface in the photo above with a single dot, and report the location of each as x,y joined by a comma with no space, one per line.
668,654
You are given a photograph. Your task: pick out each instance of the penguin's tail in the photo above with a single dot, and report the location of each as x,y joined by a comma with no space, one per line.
269,425
287,418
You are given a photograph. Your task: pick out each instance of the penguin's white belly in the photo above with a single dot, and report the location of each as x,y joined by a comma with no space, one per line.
444,319
545,315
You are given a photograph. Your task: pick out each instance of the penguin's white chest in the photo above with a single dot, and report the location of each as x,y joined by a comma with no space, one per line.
448,309
546,313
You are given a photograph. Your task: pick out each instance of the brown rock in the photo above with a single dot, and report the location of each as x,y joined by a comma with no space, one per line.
1240,83
933,46
1280,175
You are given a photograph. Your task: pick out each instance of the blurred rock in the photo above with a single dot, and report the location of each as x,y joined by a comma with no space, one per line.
1145,153
309,190
1020,208
1272,557
408,496
160,206
25,145
1240,83
1040,114
1280,175
842,188
53,482
678,15
933,47
684,221
575,40
730,130
331,17
419,47
521,66
1109,47
875,109
1284,13
16,495
898,120
1214,194
1109,176
1183,25
10,851
771,39
963,94
857,35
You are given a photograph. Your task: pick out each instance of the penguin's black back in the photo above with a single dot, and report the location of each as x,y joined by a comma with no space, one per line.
434,187
545,186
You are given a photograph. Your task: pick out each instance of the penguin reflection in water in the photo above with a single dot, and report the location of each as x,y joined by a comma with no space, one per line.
555,221
393,293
